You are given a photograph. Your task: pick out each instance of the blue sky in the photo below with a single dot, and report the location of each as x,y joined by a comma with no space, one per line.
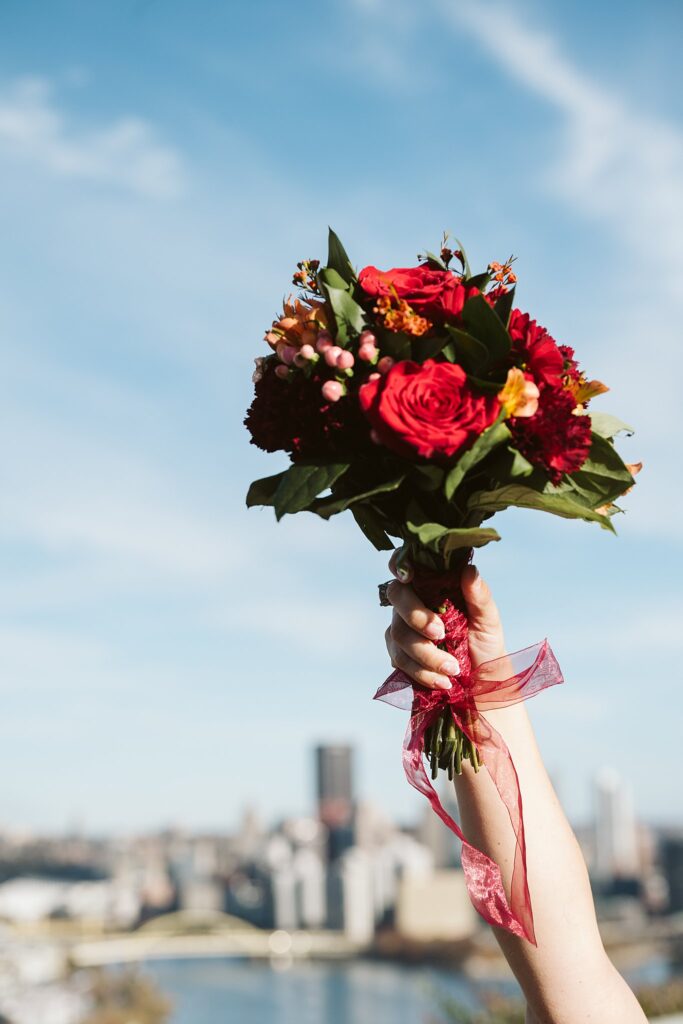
167,656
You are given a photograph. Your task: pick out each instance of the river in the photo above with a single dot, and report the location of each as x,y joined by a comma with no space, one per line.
351,992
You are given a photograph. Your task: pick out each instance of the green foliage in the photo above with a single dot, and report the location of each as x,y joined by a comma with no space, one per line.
427,348
559,504
503,306
370,522
427,477
328,507
395,344
425,536
478,281
436,261
337,258
262,492
465,349
602,478
302,483
482,322
608,426
465,262
349,316
496,434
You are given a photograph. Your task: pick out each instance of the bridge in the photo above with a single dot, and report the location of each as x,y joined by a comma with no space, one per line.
187,934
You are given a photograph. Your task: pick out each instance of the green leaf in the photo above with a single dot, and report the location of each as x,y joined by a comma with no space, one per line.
427,348
447,539
348,314
262,492
608,426
371,524
396,344
427,477
481,321
524,497
491,386
327,507
302,483
436,260
465,261
338,259
471,353
602,478
503,306
478,281
496,434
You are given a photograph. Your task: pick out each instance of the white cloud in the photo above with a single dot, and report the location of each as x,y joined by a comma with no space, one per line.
618,164
125,154
86,498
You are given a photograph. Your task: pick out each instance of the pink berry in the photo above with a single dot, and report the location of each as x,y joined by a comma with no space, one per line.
286,354
385,364
367,338
374,376
332,355
374,437
332,390
345,360
282,371
368,353
307,351
300,361
324,341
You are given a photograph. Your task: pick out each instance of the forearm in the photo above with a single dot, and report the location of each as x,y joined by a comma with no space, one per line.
567,978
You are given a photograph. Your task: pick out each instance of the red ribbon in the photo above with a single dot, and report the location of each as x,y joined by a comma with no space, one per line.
494,684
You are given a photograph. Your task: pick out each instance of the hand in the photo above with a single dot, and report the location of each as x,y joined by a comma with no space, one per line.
415,630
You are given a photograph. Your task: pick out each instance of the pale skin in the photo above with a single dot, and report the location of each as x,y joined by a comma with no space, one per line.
567,978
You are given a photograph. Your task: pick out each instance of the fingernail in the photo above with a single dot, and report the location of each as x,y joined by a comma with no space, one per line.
445,684
436,630
450,666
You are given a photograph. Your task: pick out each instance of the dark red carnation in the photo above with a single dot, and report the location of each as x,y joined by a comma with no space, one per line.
534,348
292,416
554,438
427,410
438,295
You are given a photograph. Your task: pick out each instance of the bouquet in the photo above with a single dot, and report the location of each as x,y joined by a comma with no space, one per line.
424,401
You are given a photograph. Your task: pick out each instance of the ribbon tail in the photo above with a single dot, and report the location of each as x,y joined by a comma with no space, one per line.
482,875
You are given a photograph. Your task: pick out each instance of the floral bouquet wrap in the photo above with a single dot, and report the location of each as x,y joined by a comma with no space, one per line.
424,401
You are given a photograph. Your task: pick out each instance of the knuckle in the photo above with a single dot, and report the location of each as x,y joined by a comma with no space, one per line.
398,658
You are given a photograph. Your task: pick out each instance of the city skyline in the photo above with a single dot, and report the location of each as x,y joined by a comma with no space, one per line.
165,654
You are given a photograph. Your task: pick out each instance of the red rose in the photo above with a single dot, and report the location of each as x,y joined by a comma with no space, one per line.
438,295
539,352
554,439
427,410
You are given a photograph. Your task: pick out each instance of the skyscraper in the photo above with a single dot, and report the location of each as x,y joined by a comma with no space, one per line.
334,782
616,839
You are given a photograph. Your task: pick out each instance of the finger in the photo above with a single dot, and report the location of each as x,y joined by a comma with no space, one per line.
482,611
402,572
422,676
413,611
424,652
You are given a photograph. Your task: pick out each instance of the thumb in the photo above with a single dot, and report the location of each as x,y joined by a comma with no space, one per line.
481,608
